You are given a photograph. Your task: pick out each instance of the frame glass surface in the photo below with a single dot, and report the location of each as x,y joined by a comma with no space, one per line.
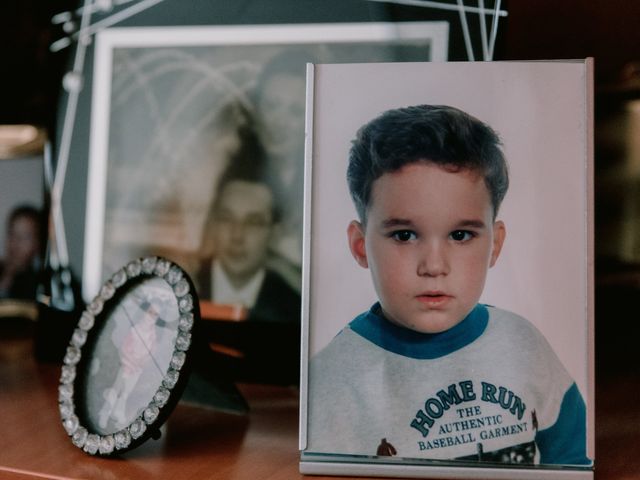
166,109
127,362
548,213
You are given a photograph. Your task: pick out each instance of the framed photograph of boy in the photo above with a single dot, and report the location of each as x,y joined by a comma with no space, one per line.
448,275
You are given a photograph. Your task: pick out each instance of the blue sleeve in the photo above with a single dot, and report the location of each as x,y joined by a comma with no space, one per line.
565,442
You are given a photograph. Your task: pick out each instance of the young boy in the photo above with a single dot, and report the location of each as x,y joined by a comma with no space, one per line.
428,372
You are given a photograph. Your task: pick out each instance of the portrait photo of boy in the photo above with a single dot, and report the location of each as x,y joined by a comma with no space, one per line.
430,369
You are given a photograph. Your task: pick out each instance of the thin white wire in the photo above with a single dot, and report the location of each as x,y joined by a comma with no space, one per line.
494,30
465,31
117,17
444,6
48,166
65,143
83,35
63,17
483,32
52,249
96,7
89,30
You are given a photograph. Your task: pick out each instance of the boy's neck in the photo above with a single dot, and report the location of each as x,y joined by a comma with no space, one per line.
376,328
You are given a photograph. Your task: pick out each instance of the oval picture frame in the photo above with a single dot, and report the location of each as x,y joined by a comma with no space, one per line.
128,359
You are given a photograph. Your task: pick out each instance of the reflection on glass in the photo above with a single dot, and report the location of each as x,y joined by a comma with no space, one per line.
131,356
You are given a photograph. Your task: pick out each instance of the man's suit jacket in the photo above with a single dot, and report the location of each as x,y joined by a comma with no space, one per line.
269,339
276,302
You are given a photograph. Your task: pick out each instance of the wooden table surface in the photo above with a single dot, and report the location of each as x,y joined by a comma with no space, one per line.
200,443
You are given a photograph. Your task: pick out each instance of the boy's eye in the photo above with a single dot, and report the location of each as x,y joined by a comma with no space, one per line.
461,235
403,235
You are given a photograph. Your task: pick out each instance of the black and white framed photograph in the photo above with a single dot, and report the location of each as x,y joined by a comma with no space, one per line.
175,109
197,155
448,281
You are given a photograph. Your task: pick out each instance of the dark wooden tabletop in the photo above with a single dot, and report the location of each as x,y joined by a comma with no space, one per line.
199,443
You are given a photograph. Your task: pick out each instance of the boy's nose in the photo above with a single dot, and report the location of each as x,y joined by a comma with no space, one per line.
433,261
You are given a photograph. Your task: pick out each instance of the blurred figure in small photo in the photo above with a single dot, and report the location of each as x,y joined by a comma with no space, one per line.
22,260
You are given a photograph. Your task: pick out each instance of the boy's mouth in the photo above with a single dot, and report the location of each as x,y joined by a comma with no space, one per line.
433,298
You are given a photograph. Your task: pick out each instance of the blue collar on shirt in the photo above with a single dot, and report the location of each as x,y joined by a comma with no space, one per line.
409,343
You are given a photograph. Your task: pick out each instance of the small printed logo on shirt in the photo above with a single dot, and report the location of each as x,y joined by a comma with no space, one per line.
465,414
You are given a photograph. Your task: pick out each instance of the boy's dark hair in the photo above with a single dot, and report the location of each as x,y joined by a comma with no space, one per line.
437,134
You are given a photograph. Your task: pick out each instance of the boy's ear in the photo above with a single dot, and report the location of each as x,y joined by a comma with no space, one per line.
355,234
499,232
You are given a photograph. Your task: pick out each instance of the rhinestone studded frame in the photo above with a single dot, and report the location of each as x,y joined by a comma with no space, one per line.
81,437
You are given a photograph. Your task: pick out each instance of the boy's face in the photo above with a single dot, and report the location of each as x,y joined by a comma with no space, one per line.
429,240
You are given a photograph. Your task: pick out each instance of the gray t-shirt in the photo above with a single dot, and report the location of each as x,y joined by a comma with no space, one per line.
490,388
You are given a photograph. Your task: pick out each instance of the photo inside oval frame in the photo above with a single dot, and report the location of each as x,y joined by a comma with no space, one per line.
127,362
